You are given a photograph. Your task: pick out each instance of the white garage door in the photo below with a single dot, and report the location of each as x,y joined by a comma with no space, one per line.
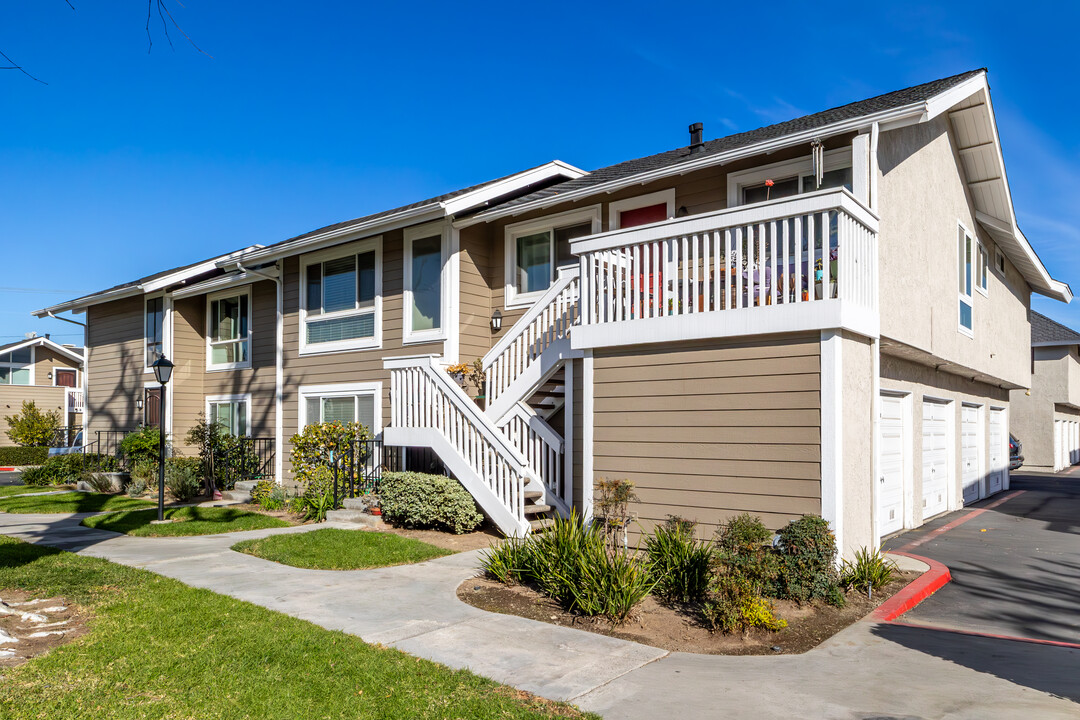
969,452
890,495
1059,445
998,451
936,443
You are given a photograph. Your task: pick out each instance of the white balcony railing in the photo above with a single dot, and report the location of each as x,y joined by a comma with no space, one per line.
75,401
817,249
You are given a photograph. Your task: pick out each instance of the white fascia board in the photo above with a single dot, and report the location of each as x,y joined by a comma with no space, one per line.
44,341
79,305
907,114
944,100
194,271
431,211
225,282
555,168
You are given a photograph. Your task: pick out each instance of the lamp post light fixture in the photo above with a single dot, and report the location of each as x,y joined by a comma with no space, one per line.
162,372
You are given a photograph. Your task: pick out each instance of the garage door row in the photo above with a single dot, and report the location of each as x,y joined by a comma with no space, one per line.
1066,443
947,477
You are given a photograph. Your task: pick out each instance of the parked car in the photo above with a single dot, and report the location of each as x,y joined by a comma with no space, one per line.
72,449
1016,457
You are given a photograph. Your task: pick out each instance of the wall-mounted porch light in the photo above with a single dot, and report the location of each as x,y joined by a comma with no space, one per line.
138,404
496,321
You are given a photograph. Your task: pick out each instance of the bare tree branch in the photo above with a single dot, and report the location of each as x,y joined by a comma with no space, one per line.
13,66
163,11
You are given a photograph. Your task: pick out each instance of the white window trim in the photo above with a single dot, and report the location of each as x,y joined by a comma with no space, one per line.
412,234
231,292
667,197
220,399
342,390
164,322
74,370
31,366
999,262
980,252
736,181
514,299
961,297
339,251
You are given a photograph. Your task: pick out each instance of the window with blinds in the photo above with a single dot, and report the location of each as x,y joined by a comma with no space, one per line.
341,408
340,299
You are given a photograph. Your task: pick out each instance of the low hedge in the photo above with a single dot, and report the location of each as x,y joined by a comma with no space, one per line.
67,469
419,500
23,455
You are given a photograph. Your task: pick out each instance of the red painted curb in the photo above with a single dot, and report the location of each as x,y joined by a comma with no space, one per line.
918,590
7,469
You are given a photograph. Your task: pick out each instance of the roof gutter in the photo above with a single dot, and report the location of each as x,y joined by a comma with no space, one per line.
887,120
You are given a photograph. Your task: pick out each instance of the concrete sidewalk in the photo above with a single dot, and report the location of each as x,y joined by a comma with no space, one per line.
865,671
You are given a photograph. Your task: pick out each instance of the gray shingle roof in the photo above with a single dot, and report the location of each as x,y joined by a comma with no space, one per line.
629,168
1045,331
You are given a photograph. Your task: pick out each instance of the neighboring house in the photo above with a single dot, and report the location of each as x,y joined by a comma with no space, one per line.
820,316
1046,418
45,373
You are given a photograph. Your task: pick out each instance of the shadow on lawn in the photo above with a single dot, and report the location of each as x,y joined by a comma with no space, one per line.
1047,668
69,503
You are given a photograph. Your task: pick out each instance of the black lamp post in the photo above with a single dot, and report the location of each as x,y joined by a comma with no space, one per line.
162,372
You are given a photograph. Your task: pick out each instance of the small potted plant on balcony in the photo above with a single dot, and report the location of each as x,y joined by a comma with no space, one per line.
471,377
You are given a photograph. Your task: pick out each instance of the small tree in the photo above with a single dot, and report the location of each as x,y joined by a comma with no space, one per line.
33,428
318,444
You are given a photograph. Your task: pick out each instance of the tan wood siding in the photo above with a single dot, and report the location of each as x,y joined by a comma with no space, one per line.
13,396
709,430
46,361
351,366
189,355
475,311
115,362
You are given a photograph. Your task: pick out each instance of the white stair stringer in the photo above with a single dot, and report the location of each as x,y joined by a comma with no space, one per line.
533,376
542,448
428,409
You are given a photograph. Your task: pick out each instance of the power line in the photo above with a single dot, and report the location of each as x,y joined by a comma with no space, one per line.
37,290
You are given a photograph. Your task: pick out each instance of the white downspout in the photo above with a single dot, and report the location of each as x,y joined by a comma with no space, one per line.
279,369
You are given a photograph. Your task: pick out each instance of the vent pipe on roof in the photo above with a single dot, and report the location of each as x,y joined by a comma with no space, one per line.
696,144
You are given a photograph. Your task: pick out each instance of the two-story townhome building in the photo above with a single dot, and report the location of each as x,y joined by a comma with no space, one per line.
43,372
1046,418
820,316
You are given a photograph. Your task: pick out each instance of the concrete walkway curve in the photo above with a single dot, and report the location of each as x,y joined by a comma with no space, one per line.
866,671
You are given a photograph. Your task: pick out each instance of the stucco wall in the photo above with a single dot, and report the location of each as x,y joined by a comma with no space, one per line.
902,376
1055,382
922,196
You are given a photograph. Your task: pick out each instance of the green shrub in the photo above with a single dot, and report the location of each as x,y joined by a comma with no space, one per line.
315,505
66,469
182,478
420,500
808,562
262,490
275,500
136,485
869,572
572,564
734,605
32,428
23,455
141,446
317,444
743,549
679,563
99,482
226,457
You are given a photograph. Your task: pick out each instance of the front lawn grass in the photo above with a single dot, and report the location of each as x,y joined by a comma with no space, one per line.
7,490
187,521
160,649
71,502
334,549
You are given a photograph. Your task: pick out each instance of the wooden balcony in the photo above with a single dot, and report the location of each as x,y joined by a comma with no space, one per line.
803,263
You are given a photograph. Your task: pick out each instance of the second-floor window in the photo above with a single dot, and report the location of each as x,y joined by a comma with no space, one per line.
535,249
155,329
966,258
340,293
425,255
15,367
229,336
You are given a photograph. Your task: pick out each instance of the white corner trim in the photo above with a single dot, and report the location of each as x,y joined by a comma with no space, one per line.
452,346
832,434
513,299
665,197
587,401
412,234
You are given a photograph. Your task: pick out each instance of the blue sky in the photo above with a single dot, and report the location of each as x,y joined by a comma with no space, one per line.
305,114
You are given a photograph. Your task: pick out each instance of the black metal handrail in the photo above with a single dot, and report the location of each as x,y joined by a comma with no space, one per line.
238,459
358,470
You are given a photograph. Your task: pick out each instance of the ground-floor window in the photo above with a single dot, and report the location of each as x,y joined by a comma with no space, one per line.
351,402
231,412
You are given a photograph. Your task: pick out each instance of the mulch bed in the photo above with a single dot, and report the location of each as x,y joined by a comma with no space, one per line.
673,629
32,626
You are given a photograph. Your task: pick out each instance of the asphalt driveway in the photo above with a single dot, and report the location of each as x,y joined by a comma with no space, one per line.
1015,566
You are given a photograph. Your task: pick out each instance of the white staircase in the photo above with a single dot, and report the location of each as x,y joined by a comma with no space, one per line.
507,456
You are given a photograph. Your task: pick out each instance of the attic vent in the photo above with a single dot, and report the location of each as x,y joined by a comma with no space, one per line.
696,144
